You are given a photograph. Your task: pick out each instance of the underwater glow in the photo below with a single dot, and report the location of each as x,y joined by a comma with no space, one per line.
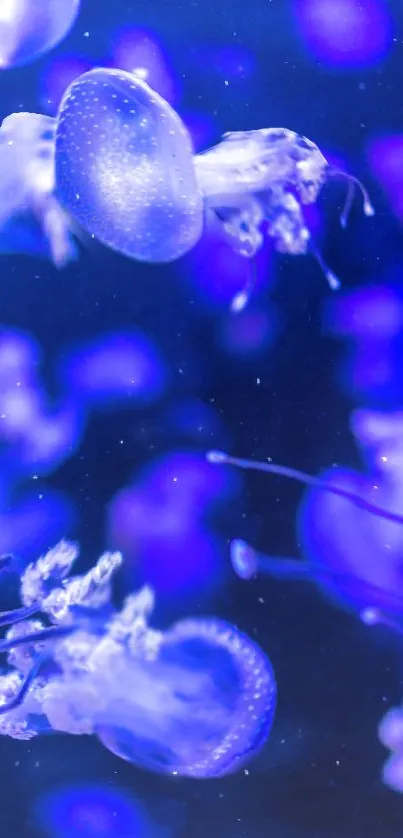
27,31
94,810
196,700
385,157
57,76
120,365
161,523
344,33
27,190
371,320
139,52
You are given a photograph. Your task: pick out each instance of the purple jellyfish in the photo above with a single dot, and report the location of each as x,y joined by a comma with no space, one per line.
350,525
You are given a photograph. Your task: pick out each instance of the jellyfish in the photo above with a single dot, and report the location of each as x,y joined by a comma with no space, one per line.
349,526
196,700
256,183
26,31
31,218
126,172
390,733
124,167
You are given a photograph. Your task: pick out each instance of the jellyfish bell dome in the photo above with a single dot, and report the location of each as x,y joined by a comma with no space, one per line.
28,29
203,709
124,167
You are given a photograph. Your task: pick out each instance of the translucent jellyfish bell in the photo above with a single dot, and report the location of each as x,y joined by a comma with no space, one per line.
210,707
28,29
255,183
124,167
197,700
31,218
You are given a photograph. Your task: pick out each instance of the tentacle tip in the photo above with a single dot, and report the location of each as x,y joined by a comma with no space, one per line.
370,616
239,302
369,210
216,457
333,280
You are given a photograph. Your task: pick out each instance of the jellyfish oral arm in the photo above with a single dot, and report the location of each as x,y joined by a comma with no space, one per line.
57,230
197,700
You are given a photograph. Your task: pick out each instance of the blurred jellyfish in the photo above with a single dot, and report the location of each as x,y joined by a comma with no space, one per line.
384,155
344,33
120,365
350,526
37,431
139,52
370,320
27,31
391,735
162,524
196,700
94,809
27,190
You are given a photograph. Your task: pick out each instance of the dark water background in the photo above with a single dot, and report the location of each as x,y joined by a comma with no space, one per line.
319,776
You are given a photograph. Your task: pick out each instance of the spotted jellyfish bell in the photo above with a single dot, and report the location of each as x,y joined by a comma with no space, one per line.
124,167
29,28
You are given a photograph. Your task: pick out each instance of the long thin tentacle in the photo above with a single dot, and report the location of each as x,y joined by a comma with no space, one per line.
221,458
50,633
17,700
7,618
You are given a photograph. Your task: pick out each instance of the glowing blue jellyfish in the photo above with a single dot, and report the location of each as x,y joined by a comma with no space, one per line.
29,29
391,735
196,700
350,526
126,172
31,219
124,167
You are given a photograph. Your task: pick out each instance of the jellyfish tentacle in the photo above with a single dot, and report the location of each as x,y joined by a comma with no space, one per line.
352,184
196,700
42,636
7,618
26,684
222,458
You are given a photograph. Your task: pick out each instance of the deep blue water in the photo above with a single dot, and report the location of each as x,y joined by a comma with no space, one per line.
319,774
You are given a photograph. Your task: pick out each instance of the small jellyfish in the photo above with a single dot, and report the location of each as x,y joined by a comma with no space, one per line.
256,183
124,167
197,700
31,219
29,29
390,733
350,527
